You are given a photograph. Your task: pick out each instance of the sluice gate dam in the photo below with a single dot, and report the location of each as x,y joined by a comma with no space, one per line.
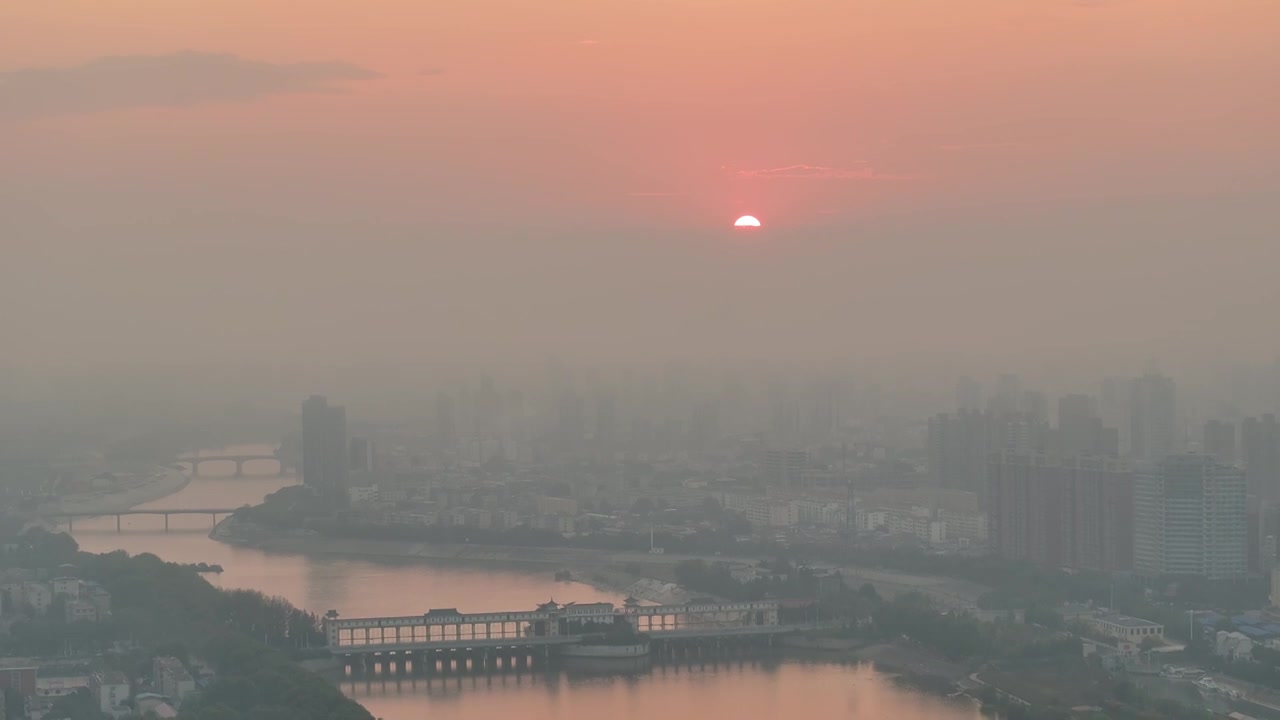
512,638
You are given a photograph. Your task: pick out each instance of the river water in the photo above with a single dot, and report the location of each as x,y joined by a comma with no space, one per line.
750,689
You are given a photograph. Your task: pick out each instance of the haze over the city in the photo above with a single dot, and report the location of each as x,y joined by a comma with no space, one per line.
991,184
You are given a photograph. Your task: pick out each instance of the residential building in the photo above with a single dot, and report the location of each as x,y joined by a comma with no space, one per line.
1260,438
365,494
1190,519
149,704
919,523
38,595
761,511
97,596
549,505
1153,418
110,691
820,512
968,394
324,449
783,514
971,527
1072,512
80,611
361,454
870,519
1233,646
958,445
1220,441
1081,430
68,586
172,679
784,467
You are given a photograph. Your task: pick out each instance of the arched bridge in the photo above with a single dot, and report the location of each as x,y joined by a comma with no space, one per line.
240,460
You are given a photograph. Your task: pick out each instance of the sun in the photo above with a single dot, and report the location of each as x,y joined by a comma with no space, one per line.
747,221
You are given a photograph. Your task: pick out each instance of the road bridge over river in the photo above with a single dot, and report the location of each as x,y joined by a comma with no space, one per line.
70,517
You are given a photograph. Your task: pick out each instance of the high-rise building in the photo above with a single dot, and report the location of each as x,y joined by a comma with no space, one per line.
1260,438
1081,430
1035,406
446,430
1190,519
324,448
958,445
1073,512
968,394
1220,441
784,467
362,454
1007,397
1153,432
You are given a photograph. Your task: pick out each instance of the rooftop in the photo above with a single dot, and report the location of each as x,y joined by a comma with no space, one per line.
1127,622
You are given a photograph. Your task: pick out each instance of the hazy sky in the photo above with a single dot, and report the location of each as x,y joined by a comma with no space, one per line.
345,179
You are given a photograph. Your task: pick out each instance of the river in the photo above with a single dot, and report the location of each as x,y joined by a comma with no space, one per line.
748,690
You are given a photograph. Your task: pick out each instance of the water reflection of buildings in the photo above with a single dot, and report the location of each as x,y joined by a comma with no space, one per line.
560,675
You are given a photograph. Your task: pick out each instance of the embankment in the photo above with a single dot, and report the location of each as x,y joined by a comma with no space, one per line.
133,493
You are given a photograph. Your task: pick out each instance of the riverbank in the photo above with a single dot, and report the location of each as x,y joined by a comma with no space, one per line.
137,491
601,569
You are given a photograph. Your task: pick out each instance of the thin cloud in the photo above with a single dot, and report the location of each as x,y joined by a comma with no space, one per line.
588,42
820,172
177,79
978,145
652,194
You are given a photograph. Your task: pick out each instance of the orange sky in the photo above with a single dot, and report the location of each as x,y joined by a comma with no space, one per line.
565,115
652,109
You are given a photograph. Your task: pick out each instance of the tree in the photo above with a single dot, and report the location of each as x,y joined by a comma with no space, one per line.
711,508
79,705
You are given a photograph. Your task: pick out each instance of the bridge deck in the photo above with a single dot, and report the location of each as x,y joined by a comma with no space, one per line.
175,511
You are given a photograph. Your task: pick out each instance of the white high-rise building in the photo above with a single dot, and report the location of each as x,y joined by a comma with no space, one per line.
1190,519
1153,433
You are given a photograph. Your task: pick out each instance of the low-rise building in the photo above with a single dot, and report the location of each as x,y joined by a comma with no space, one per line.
362,494
68,586
548,505
38,595
172,679
1233,645
870,519
110,691
919,524
965,526
1123,627
80,611
52,688
149,704
98,596
19,675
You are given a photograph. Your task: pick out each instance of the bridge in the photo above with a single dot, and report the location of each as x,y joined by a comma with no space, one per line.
240,460
212,512
518,634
